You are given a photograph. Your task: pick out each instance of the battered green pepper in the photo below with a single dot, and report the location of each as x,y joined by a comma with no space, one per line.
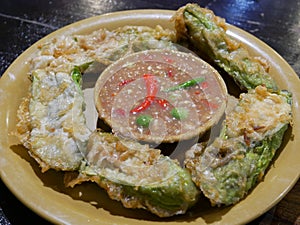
233,164
58,130
207,33
138,176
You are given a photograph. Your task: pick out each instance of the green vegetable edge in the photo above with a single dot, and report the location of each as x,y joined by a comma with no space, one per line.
207,36
256,160
77,72
169,197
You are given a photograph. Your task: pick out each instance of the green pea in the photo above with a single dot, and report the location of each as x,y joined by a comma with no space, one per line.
144,120
179,113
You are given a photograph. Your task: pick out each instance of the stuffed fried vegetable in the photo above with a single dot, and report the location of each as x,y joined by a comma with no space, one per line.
136,175
207,33
252,132
51,122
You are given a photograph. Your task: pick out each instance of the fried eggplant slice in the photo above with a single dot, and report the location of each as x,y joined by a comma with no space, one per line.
51,121
236,160
136,175
207,33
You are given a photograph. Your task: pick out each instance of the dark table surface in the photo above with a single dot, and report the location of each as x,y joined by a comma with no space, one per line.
23,22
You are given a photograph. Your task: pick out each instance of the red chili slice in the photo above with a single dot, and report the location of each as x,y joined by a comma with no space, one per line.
208,104
124,82
168,60
170,73
204,85
144,105
151,85
152,89
119,112
163,102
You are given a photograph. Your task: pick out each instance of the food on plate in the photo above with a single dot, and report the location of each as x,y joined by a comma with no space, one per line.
103,46
136,175
207,33
160,96
51,123
236,160
155,96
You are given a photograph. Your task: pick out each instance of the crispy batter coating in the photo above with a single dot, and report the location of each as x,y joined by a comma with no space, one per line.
236,160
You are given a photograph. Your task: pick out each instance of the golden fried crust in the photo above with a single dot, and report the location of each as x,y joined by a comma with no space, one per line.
23,126
23,129
73,178
180,23
181,30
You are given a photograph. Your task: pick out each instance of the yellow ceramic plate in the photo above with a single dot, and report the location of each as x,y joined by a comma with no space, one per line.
87,204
